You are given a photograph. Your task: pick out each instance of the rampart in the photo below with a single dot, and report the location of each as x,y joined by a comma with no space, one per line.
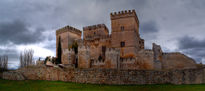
109,76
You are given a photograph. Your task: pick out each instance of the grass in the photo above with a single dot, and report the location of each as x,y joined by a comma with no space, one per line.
7,85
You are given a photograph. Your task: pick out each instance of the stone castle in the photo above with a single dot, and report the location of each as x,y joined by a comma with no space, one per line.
117,58
122,49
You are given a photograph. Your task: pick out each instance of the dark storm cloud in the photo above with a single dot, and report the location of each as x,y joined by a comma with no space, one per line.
191,42
149,27
193,47
17,32
160,20
10,52
148,31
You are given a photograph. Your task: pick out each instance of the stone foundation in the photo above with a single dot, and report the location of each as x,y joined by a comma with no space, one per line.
109,76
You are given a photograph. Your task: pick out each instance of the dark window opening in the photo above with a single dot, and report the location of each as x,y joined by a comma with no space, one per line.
103,52
103,49
122,44
122,28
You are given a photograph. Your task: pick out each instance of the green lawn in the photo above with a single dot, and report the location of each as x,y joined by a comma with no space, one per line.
6,85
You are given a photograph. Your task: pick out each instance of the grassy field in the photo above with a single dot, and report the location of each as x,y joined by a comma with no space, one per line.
6,85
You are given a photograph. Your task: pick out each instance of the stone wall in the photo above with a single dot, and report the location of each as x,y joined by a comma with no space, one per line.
157,56
98,64
95,31
129,63
84,57
112,58
145,59
68,56
177,61
110,76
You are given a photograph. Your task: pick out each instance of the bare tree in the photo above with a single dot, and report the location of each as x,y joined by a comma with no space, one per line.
3,63
26,58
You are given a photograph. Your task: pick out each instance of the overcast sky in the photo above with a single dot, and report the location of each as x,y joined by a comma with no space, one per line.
177,25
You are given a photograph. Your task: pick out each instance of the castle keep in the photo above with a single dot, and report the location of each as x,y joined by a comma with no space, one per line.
122,49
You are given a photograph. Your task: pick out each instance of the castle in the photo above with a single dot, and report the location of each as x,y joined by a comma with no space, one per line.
117,58
122,49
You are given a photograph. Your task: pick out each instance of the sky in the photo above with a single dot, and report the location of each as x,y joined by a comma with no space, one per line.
176,25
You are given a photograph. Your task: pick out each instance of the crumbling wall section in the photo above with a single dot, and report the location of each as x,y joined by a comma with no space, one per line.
157,56
177,61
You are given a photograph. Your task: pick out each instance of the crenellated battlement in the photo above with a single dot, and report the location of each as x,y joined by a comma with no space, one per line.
70,29
97,62
84,48
93,27
124,14
127,60
99,37
112,50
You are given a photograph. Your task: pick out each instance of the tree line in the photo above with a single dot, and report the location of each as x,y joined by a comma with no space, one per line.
25,57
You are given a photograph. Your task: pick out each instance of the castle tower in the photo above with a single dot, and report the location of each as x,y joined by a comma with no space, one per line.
98,38
66,36
125,33
95,31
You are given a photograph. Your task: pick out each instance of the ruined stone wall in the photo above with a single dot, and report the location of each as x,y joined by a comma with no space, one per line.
109,76
177,61
84,57
157,56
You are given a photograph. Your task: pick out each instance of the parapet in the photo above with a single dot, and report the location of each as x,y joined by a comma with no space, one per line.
70,29
112,50
83,48
124,14
93,27
127,60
